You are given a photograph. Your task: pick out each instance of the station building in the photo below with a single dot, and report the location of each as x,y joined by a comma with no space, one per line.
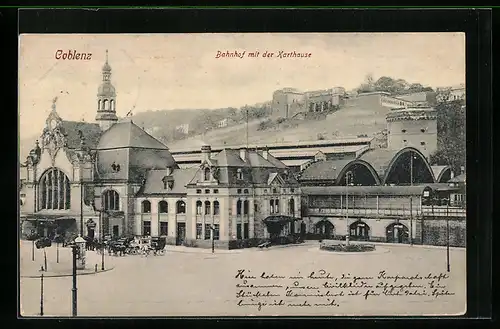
111,178
384,195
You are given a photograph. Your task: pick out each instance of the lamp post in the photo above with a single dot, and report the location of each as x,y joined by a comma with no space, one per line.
447,237
81,204
74,289
33,245
41,293
101,220
347,175
212,229
411,198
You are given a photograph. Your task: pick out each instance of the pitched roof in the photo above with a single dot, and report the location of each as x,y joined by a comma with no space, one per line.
91,132
128,134
134,162
154,181
254,159
324,170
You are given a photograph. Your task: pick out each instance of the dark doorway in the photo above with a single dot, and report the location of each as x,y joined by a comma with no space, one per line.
90,232
116,231
181,233
303,229
359,230
324,229
397,233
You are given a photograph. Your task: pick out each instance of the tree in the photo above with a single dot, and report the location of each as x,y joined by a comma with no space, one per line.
451,129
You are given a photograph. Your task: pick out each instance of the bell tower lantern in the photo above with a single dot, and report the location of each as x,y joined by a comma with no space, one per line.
106,99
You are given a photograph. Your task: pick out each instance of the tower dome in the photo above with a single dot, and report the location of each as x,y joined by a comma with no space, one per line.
106,99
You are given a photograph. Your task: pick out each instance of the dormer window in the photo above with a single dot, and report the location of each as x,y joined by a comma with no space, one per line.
422,130
403,130
168,183
206,174
239,173
275,190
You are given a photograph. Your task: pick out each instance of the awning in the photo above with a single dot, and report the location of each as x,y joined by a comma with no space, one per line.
280,219
45,218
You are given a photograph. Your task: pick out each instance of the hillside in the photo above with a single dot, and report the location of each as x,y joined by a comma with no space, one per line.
354,119
358,116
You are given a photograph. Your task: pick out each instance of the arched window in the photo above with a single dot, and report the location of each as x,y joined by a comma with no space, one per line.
238,207
181,207
207,207
163,207
216,208
271,204
245,191
199,206
99,104
146,207
239,173
245,207
112,105
277,206
105,104
111,200
54,190
291,207
206,174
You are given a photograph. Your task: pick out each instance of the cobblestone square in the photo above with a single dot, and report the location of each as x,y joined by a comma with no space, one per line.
190,282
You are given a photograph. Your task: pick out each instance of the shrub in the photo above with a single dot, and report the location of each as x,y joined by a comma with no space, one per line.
280,120
348,248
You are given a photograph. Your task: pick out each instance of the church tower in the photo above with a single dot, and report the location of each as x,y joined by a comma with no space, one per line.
106,99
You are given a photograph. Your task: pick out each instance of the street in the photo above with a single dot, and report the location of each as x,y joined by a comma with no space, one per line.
202,284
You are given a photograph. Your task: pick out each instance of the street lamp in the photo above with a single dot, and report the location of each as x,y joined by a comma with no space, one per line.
447,237
212,229
74,248
101,220
41,292
348,175
412,156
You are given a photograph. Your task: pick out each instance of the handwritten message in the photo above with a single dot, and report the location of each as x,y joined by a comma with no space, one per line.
321,289
265,54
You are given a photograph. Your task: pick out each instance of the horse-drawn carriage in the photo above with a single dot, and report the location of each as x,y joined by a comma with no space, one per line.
156,246
134,246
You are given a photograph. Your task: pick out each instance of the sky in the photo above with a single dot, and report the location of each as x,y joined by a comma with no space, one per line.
181,71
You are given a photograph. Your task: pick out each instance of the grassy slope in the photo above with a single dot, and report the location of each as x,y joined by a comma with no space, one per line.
350,121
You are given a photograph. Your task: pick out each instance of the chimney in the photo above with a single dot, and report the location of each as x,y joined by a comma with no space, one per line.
265,152
243,154
206,152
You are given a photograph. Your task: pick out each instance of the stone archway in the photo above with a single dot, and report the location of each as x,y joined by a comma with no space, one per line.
359,231
397,233
324,229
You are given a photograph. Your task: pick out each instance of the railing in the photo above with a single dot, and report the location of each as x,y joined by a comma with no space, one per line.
426,211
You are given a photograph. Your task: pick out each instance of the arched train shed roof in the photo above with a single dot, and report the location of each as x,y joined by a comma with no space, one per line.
382,160
379,162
